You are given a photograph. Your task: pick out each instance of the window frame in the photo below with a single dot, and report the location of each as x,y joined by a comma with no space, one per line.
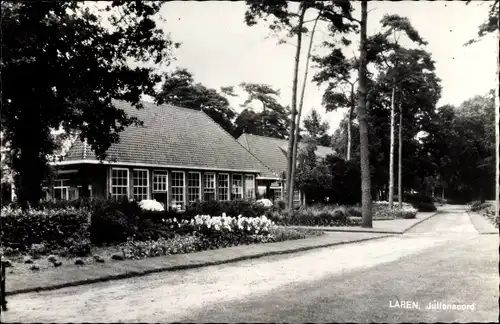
205,187
183,187
111,186
191,187
253,195
141,186
233,187
61,187
162,174
228,179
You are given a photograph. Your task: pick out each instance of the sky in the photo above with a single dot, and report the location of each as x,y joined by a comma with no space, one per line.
220,50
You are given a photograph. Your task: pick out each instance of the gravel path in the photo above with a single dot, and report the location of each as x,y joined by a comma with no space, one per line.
168,297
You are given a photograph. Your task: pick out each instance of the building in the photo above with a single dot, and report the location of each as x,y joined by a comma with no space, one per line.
177,156
272,152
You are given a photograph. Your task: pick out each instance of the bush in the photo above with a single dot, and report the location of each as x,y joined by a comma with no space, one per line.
279,204
386,213
478,205
246,208
421,202
52,228
114,221
318,215
80,248
280,234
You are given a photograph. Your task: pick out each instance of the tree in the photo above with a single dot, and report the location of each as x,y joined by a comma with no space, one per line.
61,67
395,26
366,198
492,24
283,19
272,121
179,89
301,102
317,129
337,71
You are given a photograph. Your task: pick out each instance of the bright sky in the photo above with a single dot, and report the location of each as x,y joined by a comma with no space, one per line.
220,50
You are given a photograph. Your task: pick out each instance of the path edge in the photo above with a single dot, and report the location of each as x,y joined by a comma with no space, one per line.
131,274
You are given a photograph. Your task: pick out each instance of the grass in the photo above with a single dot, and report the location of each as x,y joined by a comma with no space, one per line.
363,296
20,274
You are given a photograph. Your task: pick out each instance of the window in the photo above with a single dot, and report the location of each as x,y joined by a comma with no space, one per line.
249,186
277,193
194,186
160,182
160,187
178,189
223,186
296,198
119,183
61,189
209,186
237,186
141,184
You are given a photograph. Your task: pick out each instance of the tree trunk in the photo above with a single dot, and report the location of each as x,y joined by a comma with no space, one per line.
366,199
497,129
391,154
291,139
301,103
349,124
400,158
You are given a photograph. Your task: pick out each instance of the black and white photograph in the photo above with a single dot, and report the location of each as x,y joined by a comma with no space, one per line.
258,161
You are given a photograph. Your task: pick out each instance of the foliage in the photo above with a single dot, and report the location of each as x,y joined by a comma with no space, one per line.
317,129
52,228
490,25
478,205
179,89
331,179
272,121
247,208
382,211
422,203
114,221
317,215
85,65
462,149
142,249
280,234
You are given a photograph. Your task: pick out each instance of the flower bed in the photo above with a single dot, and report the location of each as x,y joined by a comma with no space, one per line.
332,215
137,231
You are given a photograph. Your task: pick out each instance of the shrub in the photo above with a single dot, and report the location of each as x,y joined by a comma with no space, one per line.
386,213
317,215
246,208
478,205
280,234
52,228
354,211
114,221
178,244
80,248
279,204
421,202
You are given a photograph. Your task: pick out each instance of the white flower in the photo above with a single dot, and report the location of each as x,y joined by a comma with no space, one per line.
265,202
151,205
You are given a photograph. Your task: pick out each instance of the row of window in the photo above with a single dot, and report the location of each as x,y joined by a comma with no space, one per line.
140,178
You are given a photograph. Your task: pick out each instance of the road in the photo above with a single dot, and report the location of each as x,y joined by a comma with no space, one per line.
442,259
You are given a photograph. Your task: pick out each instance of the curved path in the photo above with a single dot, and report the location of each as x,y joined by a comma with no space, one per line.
442,259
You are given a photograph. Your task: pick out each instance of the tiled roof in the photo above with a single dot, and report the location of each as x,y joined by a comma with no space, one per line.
273,151
174,136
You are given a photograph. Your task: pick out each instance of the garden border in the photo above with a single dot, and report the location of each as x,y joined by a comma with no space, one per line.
130,274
